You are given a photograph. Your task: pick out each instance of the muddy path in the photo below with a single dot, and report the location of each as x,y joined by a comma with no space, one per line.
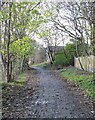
56,100
53,98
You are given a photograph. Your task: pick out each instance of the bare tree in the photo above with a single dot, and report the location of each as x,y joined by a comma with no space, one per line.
75,22
52,41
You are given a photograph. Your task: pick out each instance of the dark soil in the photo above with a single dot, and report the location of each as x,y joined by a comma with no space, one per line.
46,95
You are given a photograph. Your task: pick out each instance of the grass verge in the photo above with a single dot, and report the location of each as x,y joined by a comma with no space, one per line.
17,82
43,64
81,78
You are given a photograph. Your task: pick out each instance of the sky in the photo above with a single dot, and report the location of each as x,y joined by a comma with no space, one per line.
62,12
50,24
40,41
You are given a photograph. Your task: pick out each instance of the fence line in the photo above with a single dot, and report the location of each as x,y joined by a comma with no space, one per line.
88,63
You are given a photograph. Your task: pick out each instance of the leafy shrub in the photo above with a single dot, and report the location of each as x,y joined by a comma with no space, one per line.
68,59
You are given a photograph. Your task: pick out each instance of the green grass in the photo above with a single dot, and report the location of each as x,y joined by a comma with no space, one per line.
81,78
17,82
41,64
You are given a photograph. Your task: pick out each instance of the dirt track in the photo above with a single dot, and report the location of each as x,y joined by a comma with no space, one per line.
53,98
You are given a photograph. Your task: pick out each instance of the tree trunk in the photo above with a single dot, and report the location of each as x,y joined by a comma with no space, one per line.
2,59
1,70
50,58
3,66
21,67
50,54
78,56
8,44
11,71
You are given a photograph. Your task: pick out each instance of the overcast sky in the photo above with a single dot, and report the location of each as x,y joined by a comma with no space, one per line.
54,2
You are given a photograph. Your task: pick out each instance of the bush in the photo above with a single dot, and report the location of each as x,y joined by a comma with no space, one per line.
60,59
70,49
